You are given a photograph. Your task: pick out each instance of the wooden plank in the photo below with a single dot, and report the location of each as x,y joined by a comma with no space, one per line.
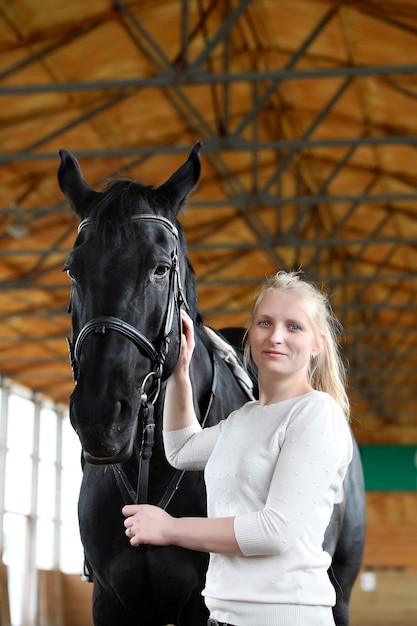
77,601
393,602
391,530
373,429
391,545
4,597
390,507
50,598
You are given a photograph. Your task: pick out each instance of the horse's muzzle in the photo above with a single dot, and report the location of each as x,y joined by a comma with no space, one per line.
108,457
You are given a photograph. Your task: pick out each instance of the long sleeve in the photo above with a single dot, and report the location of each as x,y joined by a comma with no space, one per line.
191,447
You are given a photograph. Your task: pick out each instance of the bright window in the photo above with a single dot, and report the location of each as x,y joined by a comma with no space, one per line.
40,459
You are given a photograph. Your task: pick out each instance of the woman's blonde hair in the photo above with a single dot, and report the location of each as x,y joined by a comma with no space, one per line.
326,371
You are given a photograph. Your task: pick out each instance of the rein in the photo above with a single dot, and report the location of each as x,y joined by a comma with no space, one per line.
100,325
137,496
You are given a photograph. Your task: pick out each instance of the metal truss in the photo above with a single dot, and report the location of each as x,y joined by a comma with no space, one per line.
370,270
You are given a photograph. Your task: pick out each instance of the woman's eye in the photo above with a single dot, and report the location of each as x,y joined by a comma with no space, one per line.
294,327
264,323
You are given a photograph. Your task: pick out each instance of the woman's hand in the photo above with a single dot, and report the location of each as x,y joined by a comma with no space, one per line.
148,524
187,345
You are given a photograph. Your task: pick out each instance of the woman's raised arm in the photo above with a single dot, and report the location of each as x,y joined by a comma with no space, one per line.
179,406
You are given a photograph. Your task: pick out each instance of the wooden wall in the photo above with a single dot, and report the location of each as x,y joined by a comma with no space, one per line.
77,601
393,602
4,596
391,535
391,539
66,600
63,599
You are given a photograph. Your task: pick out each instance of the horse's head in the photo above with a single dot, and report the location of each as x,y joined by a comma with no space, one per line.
128,270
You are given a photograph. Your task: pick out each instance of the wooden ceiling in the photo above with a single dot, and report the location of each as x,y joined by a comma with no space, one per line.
307,110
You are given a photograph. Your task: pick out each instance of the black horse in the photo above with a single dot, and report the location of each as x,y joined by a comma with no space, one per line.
130,277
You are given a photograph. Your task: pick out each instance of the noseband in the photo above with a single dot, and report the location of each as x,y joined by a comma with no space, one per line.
100,325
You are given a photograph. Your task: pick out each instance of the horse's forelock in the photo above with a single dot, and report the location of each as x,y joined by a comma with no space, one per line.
114,207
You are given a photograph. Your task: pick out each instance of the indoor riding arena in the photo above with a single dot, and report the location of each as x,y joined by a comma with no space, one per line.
307,115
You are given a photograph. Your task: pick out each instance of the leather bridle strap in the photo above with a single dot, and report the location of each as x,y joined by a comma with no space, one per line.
139,218
100,325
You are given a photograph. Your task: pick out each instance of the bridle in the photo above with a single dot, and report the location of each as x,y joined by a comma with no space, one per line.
100,325
157,356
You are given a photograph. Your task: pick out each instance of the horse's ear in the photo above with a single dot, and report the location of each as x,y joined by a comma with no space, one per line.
179,186
73,185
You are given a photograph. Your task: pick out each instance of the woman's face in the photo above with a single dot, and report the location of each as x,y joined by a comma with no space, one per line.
281,335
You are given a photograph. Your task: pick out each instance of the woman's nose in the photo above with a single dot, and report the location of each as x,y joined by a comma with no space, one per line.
276,335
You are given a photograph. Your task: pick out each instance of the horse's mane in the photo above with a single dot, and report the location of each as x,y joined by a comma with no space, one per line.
111,216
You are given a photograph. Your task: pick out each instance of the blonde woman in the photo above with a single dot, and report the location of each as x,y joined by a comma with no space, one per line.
273,470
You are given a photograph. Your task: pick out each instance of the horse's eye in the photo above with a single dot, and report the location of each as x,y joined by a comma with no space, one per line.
161,270
70,276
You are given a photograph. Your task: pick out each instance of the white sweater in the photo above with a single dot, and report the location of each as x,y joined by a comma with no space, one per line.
278,470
